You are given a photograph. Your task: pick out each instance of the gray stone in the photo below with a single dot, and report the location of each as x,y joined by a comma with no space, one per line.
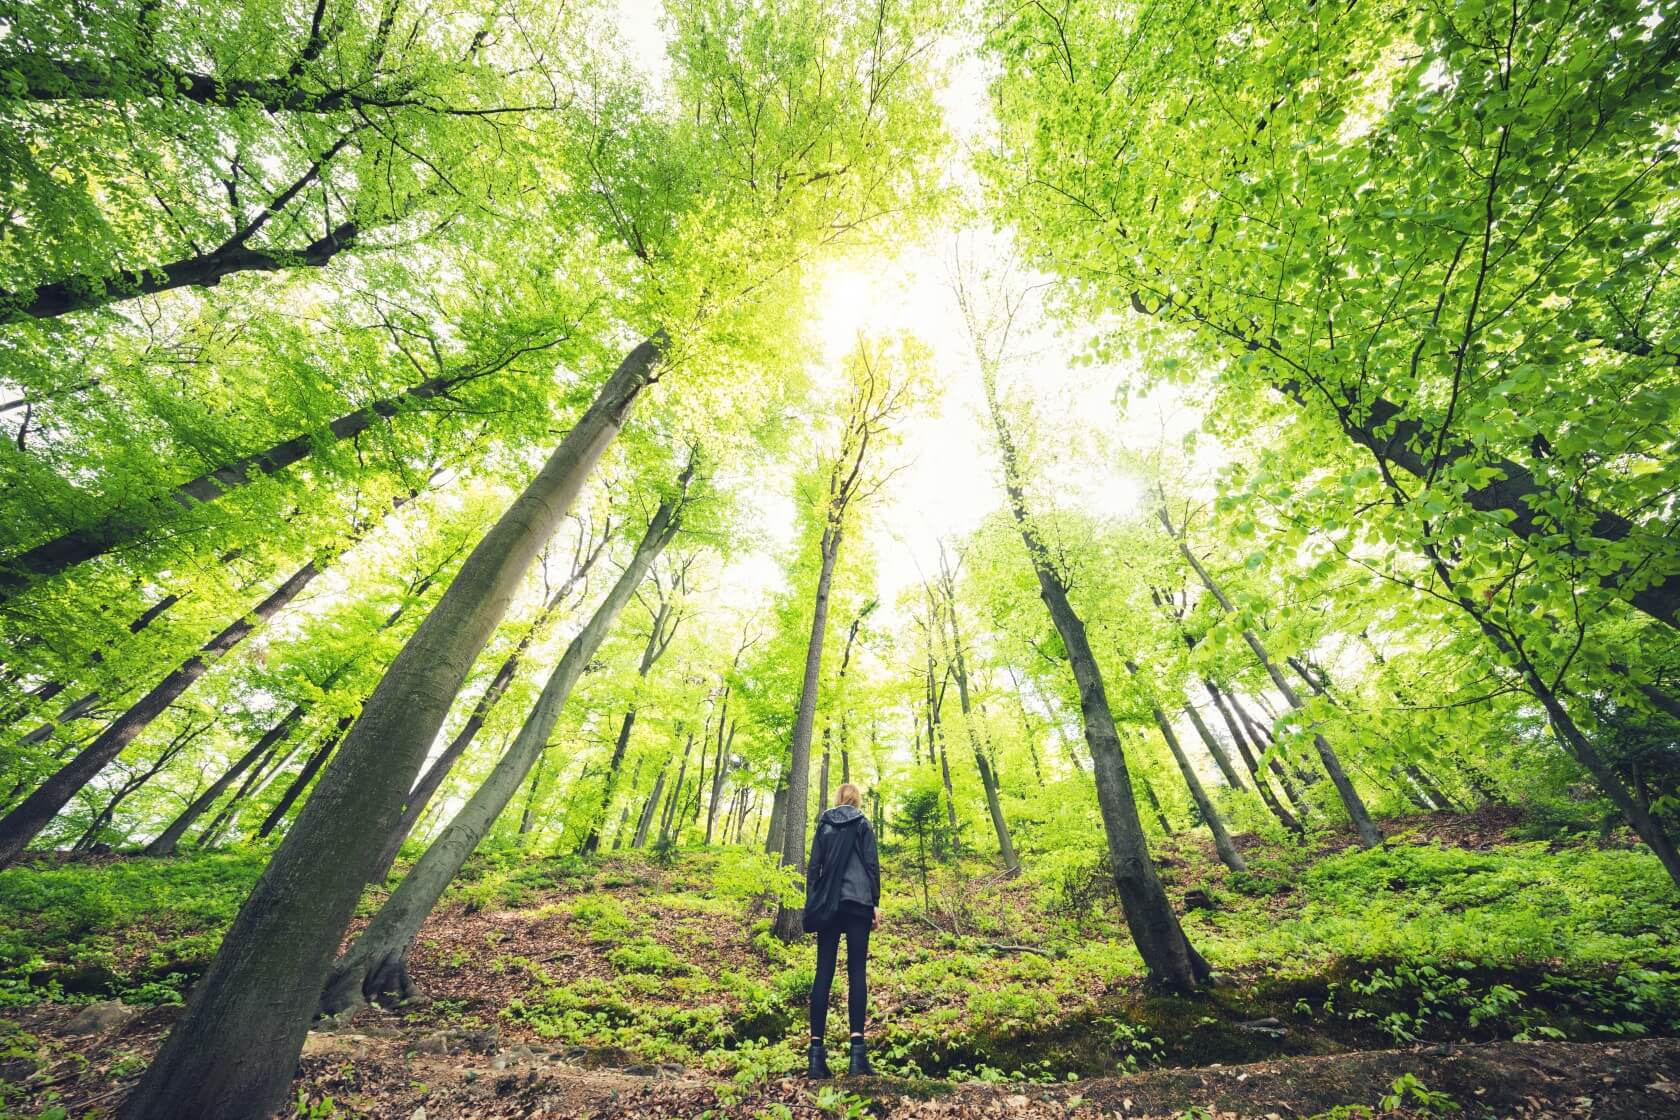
99,1018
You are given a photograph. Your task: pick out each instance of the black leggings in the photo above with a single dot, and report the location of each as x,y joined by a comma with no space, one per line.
854,921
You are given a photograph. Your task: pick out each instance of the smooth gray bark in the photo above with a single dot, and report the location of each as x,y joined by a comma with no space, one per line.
377,964
232,1053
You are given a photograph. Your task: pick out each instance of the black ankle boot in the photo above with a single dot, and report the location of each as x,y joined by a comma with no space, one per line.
819,1063
860,1059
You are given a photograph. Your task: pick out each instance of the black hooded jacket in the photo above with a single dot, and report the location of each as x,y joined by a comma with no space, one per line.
843,836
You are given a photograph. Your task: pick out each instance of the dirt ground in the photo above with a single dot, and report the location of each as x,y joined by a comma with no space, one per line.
377,1066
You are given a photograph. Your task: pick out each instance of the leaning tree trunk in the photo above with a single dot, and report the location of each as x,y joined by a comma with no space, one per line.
170,838
232,1053
644,821
34,812
176,745
988,778
311,767
1155,805
1369,835
426,788
1284,816
720,771
1167,954
658,640
1215,749
377,964
798,774
167,841
1228,854
127,526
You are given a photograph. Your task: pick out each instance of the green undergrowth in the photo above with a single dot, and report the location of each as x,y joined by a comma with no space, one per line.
1318,951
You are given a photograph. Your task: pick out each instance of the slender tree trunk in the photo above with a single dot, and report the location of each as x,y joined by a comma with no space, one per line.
170,838
658,640
778,816
304,777
76,710
1155,804
669,817
1031,735
1228,854
798,773
176,745
377,964
33,813
1215,749
1369,835
1167,954
1284,816
720,771
624,812
644,824
988,780
128,525
432,780
527,818
255,782
232,1053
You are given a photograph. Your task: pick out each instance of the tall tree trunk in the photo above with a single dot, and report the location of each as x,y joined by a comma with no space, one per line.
127,525
527,818
798,774
232,1053
1155,805
430,781
377,964
76,710
303,778
720,771
1167,954
988,780
660,633
1215,749
179,743
1569,734
778,816
255,782
644,823
33,813
1369,835
1284,816
170,838
670,814
822,781
624,812
1228,854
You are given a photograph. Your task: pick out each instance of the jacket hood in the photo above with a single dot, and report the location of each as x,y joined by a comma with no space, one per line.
842,815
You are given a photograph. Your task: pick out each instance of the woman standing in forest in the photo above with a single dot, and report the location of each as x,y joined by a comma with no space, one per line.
842,890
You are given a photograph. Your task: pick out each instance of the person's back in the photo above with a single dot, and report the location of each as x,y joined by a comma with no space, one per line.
842,890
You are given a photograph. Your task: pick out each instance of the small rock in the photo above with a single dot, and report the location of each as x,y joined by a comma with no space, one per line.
98,1018
435,1043
418,1114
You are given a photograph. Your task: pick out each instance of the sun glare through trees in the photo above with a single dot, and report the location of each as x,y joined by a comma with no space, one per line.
1147,527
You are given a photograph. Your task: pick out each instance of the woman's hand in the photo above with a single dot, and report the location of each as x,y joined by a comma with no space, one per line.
875,923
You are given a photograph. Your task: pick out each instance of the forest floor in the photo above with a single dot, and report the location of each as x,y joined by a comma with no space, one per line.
1468,969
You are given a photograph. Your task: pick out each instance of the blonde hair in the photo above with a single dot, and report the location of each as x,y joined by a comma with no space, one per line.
848,794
